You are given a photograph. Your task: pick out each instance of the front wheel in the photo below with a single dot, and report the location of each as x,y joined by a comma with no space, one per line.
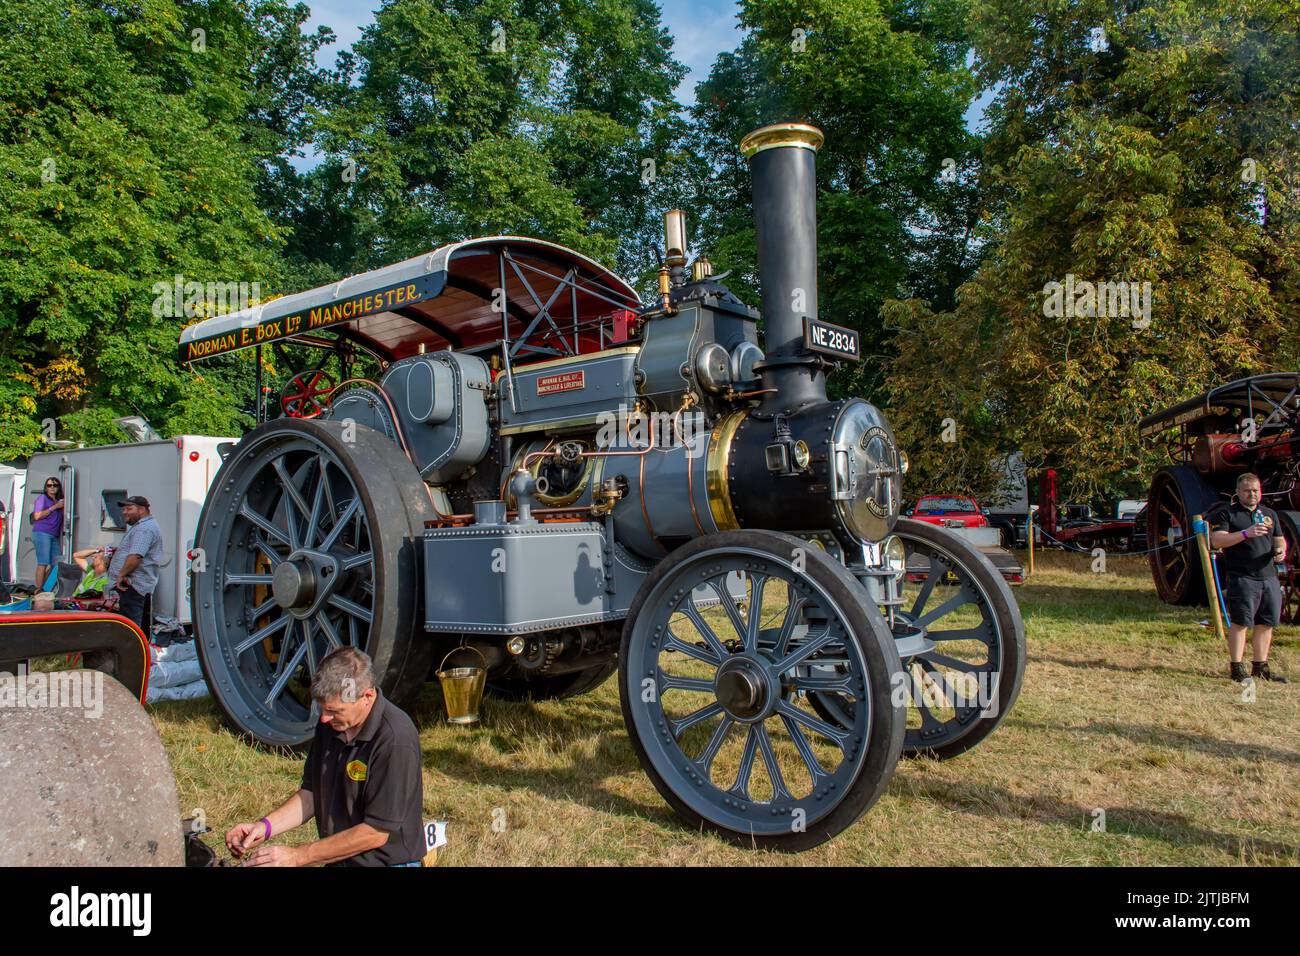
721,648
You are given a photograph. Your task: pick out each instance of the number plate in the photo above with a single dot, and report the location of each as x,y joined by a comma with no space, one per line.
831,339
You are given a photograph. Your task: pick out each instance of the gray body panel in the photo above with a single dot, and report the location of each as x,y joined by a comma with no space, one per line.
672,341
521,578
363,406
574,392
441,403
667,496
667,490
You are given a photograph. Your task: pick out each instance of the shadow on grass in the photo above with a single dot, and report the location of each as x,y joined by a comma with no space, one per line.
198,708
510,722
1176,739
1170,828
581,782
202,715
508,726
1101,663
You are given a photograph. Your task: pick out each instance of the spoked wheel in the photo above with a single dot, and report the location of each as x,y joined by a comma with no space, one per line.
1289,572
306,395
958,693
309,544
713,689
1177,493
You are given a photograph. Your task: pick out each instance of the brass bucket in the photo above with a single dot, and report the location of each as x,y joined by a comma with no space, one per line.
462,688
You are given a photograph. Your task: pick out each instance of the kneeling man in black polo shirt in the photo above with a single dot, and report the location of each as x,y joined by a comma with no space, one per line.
361,781
1251,540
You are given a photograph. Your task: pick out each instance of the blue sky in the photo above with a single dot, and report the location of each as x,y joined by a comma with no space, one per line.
701,30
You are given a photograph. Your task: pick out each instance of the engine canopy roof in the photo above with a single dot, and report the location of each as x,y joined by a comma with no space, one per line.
446,298
1275,394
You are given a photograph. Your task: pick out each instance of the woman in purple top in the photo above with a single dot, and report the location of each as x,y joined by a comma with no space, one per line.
47,525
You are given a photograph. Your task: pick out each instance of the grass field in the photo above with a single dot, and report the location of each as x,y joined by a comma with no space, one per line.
1126,708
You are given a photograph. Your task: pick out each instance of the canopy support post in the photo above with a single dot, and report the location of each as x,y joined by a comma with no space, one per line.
259,412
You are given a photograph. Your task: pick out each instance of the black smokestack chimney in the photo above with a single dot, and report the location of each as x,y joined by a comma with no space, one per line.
782,162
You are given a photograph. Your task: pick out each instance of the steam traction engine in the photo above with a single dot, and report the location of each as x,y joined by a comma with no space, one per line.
1252,424
571,482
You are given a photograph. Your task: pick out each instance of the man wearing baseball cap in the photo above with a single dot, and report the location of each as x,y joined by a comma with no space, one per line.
133,572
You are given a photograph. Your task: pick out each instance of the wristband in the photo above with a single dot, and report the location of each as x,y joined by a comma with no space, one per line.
1245,534
266,823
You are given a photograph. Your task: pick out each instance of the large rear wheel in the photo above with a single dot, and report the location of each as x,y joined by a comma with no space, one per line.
720,649
1177,493
309,542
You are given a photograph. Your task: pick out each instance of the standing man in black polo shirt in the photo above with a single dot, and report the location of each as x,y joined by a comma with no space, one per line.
1251,540
361,782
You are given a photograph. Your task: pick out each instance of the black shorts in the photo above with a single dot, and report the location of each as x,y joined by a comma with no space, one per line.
1253,601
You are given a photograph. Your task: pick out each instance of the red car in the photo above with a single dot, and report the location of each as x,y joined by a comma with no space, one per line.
949,511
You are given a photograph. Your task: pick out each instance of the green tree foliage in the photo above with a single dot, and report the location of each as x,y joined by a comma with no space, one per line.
135,143
472,117
1164,151
144,140
887,83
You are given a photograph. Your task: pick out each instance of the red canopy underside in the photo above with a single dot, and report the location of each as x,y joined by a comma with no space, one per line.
554,301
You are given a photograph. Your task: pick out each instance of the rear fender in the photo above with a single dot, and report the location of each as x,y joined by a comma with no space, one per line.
125,648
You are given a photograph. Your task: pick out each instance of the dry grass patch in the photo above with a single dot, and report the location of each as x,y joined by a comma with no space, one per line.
1125,708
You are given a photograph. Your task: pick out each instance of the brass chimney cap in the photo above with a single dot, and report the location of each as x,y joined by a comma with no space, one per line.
781,134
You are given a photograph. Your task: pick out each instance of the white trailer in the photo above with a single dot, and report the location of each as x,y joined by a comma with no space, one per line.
1129,508
12,483
1008,504
174,474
